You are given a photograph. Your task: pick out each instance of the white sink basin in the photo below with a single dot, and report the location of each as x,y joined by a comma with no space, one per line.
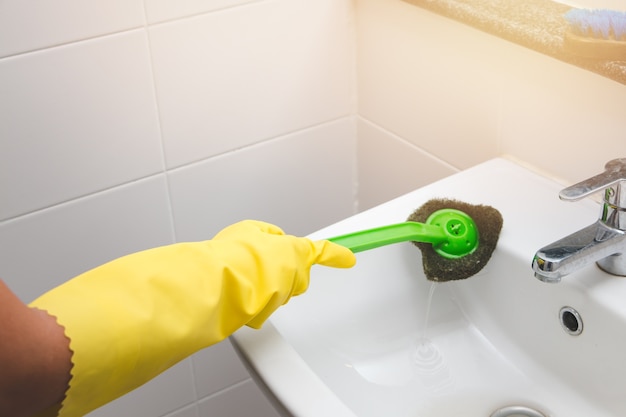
356,343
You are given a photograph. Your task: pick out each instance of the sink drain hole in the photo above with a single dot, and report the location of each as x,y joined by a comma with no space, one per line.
517,411
571,321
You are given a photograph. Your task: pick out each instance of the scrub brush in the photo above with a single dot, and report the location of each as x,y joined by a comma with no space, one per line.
456,239
489,223
596,33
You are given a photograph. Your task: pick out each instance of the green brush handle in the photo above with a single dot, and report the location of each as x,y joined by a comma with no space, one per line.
386,235
452,233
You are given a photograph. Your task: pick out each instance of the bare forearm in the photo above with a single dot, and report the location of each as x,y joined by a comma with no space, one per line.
34,357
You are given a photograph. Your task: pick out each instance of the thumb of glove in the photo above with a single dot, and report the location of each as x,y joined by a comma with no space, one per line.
322,252
333,255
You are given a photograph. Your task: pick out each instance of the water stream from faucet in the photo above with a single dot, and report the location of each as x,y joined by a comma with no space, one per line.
429,302
428,361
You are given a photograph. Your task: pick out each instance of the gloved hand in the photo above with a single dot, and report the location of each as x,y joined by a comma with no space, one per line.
134,317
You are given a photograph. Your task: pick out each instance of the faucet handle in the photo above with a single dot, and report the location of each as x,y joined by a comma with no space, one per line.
613,176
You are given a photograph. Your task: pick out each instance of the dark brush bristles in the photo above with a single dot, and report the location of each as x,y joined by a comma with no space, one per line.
489,223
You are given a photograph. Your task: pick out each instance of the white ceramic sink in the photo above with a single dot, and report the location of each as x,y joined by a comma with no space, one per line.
356,343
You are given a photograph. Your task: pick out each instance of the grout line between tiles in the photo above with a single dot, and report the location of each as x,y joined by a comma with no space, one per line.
71,43
176,412
165,172
155,97
81,197
260,142
226,389
409,143
199,14
145,26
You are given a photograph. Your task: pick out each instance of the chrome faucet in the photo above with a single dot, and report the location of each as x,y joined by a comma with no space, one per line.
603,242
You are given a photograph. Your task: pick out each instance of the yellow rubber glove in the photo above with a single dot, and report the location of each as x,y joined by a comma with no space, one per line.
136,316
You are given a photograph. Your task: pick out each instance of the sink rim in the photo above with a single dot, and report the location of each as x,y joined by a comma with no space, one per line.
265,351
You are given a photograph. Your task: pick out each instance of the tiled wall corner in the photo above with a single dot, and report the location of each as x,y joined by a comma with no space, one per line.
416,79
390,166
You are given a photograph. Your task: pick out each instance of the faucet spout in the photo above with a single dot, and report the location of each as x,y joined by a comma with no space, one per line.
595,243
603,242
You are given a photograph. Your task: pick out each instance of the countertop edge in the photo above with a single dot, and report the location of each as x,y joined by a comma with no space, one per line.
535,24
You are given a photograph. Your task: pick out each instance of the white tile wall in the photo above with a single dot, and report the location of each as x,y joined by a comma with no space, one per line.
418,80
220,360
104,105
390,166
28,25
189,411
160,10
74,120
286,181
247,74
242,400
43,249
172,390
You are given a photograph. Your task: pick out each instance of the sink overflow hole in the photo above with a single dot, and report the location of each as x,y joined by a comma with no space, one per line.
517,411
571,321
